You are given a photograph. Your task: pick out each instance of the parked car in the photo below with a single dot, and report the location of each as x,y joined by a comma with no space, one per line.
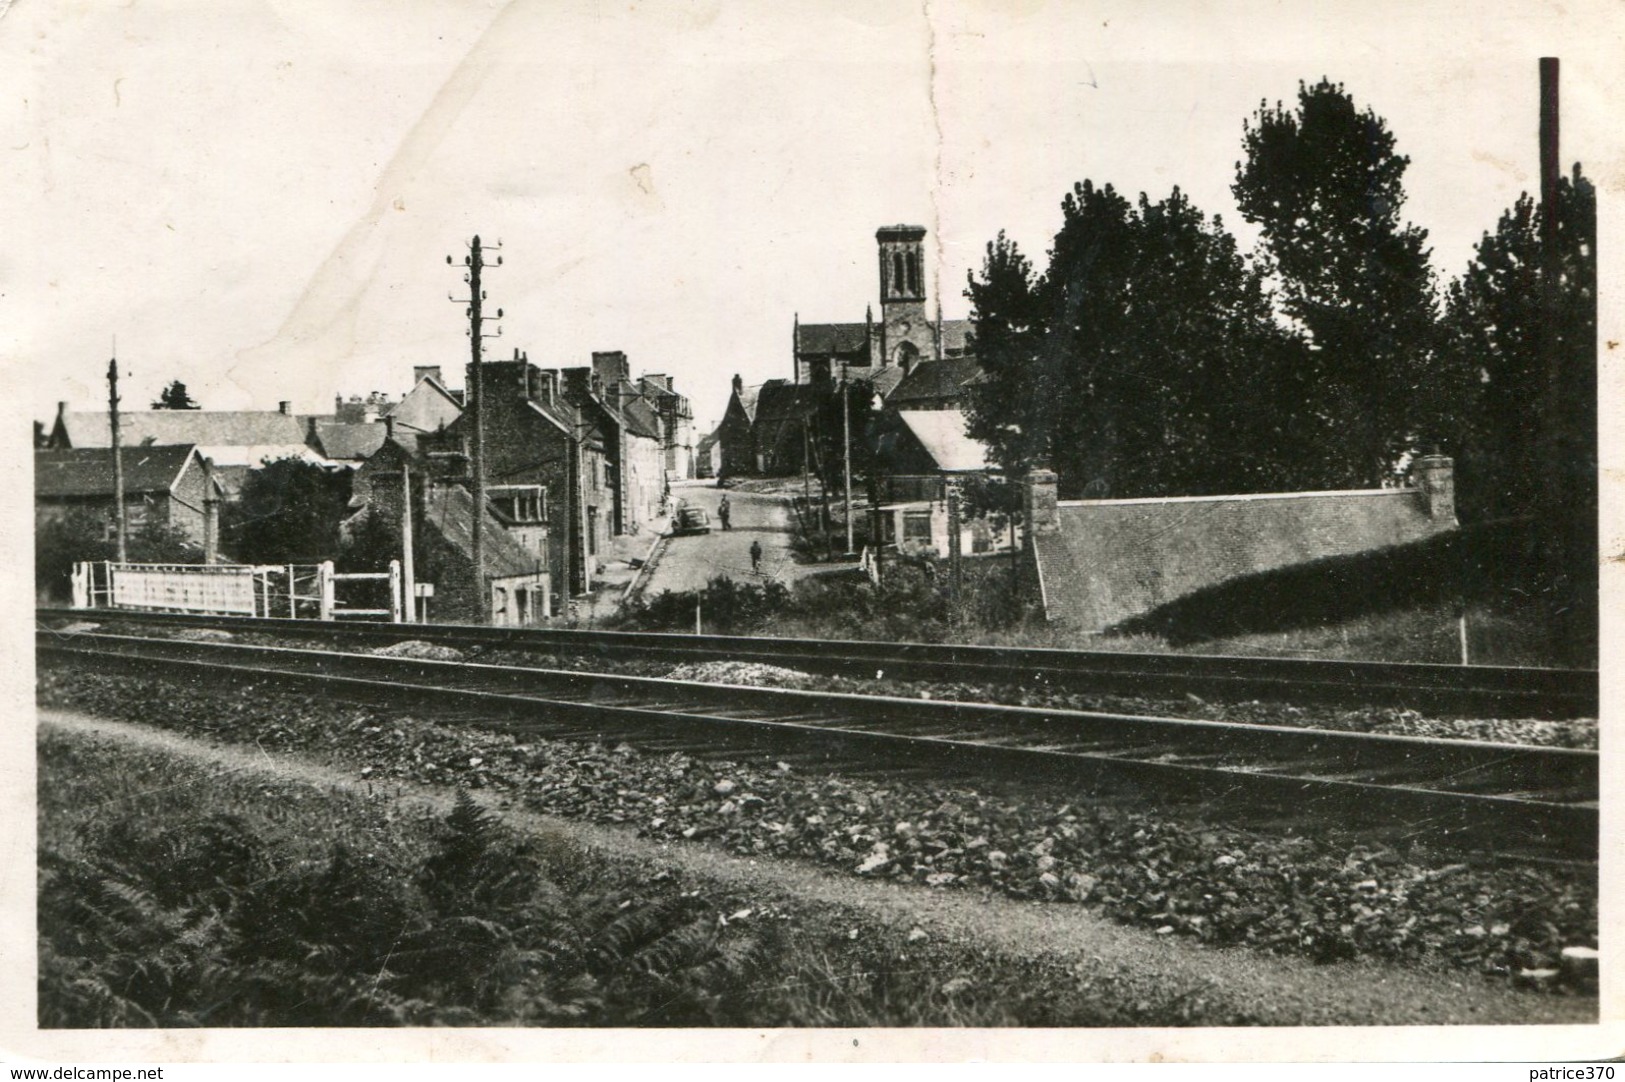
691,520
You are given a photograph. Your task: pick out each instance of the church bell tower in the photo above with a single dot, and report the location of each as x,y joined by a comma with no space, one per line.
905,329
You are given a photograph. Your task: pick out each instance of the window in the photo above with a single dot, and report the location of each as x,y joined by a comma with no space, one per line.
914,272
917,526
898,282
522,504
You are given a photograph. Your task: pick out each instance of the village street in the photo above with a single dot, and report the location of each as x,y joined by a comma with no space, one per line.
688,563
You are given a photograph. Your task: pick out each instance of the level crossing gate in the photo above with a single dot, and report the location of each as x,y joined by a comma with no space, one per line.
291,591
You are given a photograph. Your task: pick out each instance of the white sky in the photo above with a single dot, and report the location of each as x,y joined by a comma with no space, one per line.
257,197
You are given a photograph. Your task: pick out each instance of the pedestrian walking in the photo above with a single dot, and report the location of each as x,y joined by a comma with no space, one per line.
756,557
723,512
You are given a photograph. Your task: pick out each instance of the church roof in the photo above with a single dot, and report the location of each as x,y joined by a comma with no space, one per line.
822,338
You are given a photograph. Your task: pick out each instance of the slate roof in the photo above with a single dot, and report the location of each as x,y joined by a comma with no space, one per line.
822,338
641,418
206,428
88,471
449,510
347,441
782,401
1113,559
748,399
942,434
883,380
956,337
937,382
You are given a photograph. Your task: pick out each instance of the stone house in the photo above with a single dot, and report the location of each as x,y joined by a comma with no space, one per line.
234,441
164,484
546,465
676,425
736,435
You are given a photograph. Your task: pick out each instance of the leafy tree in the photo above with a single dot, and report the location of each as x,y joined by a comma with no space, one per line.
1325,185
289,512
174,397
1144,362
1495,331
1007,327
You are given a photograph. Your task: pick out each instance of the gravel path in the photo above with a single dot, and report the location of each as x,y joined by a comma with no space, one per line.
1274,990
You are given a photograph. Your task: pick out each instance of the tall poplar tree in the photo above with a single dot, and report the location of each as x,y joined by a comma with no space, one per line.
1324,184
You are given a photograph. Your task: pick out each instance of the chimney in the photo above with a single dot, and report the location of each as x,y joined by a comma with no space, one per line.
389,427
285,408
61,410
1434,477
611,366
421,372
550,386
1042,504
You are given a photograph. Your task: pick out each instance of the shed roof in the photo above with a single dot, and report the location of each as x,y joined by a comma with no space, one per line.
449,510
942,434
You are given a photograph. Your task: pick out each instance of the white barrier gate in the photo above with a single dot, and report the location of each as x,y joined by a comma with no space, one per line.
292,591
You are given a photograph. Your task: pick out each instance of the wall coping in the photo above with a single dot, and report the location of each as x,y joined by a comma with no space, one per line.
1243,498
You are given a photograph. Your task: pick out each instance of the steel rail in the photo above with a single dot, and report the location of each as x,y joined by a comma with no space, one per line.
1490,691
1482,789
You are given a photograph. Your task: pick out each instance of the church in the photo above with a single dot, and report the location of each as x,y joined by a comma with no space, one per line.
764,428
884,351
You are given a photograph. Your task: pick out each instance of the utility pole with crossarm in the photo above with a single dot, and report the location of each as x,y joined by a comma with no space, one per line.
475,262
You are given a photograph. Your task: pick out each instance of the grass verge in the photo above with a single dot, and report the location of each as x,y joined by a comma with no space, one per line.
175,895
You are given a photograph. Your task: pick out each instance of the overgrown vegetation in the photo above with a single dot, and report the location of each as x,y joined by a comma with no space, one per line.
914,602
1307,888
83,534
248,901
288,512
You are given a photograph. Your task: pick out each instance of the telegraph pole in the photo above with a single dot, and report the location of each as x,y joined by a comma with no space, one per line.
846,430
475,262
118,462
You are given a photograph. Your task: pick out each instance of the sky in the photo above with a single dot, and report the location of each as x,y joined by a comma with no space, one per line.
258,197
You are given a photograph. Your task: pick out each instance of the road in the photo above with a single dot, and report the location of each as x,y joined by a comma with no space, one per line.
688,563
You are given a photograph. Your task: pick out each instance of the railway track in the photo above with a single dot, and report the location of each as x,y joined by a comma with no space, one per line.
1481,794
1467,690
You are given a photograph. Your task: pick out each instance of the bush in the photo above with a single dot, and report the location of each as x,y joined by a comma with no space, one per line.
86,535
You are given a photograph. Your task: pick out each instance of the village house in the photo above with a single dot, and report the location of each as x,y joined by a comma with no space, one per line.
634,444
234,441
927,456
546,465
676,425
516,554
164,484
357,428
